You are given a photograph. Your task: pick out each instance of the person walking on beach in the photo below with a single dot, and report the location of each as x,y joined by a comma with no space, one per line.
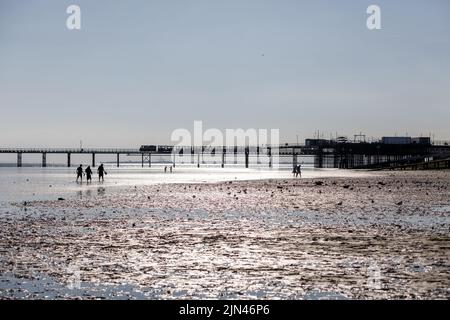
80,173
101,172
299,171
88,172
170,169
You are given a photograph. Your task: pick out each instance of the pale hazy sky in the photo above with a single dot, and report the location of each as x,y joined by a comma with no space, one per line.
137,70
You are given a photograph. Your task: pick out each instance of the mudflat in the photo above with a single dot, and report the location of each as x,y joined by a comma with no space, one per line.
381,236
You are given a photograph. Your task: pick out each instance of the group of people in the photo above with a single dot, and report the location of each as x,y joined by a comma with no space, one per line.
297,171
165,169
88,172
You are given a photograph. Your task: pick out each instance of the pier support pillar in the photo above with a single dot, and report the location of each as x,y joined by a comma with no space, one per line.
142,161
198,160
224,151
257,155
318,160
44,160
19,159
270,156
247,153
294,160
203,155
118,159
174,159
336,160
93,160
149,160
68,160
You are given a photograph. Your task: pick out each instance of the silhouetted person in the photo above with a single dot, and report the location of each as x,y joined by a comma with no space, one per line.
88,172
299,171
165,169
80,173
101,172
170,169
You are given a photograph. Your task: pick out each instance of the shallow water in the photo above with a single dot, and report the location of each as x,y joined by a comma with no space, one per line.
41,286
31,183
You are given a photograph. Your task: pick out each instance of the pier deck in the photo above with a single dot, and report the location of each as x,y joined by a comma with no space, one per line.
350,155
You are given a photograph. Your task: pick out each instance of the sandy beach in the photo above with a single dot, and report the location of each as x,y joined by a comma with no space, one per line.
382,236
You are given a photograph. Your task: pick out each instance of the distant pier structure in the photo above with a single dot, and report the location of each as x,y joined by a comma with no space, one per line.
389,152
69,152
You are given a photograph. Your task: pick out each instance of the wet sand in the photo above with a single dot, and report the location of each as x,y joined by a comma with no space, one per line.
375,237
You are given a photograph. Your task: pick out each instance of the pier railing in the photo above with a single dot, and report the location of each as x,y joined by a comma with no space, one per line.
69,150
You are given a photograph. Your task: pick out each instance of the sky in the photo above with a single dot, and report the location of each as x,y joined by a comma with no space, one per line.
138,70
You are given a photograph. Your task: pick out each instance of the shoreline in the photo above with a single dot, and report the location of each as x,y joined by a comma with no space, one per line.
19,184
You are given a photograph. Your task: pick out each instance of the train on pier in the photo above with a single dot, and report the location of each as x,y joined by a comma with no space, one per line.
156,148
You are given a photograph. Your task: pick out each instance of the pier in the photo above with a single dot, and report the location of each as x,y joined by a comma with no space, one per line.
146,156
326,154
68,152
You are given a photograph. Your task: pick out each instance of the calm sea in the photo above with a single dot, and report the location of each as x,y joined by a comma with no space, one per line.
35,183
